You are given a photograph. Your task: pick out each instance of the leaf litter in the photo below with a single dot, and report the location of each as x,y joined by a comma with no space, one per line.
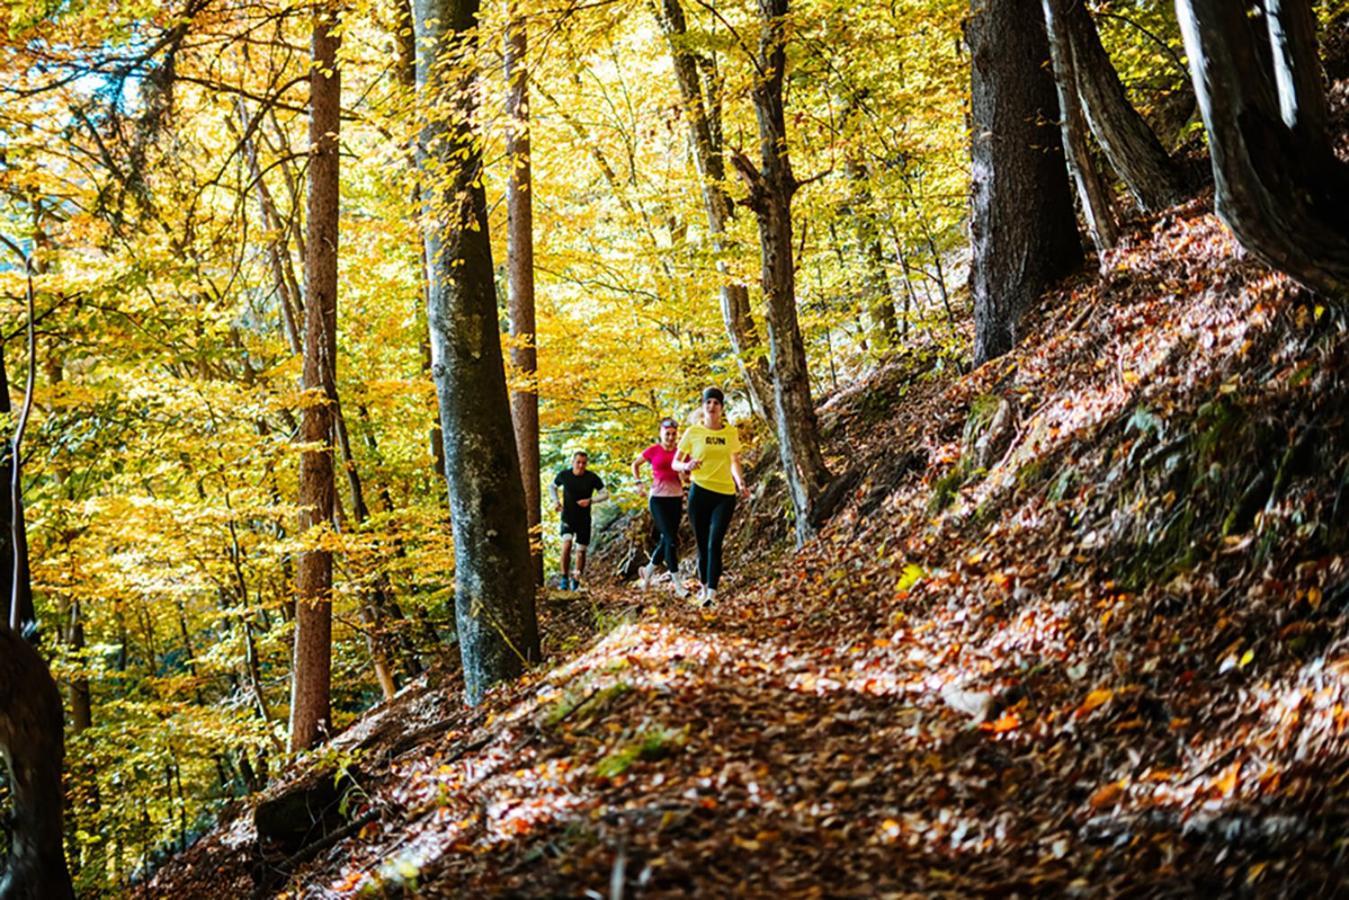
1113,660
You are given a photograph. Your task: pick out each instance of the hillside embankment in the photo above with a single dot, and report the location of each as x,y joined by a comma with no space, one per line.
1079,627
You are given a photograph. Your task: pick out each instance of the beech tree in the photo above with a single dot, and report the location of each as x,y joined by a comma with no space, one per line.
32,734
312,673
1277,182
1022,226
771,188
494,580
1129,143
13,533
1091,193
520,271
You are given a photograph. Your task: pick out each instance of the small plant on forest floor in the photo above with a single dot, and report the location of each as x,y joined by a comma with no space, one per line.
650,745
582,702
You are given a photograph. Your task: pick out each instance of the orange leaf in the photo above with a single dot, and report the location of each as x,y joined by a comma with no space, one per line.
1108,795
1095,700
1226,783
1006,722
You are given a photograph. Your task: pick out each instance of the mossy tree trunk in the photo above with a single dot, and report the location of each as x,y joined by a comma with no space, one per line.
494,576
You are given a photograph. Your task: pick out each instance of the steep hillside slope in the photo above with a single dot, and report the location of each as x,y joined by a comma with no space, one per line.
1080,627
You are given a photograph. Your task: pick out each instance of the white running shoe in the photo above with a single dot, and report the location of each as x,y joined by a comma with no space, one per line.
644,576
710,597
679,588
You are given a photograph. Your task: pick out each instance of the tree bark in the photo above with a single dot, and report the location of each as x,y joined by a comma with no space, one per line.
494,579
1091,193
771,188
520,269
32,746
12,522
1277,184
699,88
312,670
1129,143
1022,226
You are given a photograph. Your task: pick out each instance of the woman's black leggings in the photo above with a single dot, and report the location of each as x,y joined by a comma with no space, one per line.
710,515
666,510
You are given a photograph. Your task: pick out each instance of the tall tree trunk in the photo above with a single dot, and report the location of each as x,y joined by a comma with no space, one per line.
12,522
771,188
1091,193
494,578
1277,184
1022,226
700,90
1130,144
312,672
32,746
520,267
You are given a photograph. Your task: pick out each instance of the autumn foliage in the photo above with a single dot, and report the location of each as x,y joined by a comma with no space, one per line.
1076,622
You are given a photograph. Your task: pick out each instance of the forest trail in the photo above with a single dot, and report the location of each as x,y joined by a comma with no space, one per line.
1079,628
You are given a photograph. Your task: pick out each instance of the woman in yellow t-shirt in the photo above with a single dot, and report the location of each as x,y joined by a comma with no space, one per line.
710,453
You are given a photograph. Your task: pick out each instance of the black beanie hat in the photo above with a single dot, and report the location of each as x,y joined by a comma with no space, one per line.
714,393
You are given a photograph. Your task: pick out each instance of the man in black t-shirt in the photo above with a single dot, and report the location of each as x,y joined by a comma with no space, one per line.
580,489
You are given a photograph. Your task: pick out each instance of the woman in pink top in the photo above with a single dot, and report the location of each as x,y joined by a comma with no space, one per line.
666,501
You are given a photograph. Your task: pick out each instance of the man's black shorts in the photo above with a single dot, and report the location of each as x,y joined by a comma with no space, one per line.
579,528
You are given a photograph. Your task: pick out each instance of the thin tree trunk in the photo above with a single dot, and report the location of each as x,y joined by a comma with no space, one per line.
1091,193
278,252
312,672
376,604
520,268
702,110
1022,226
494,578
1129,143
12,522
1277,184
771,189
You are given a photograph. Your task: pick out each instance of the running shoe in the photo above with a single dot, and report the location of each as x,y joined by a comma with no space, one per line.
644,576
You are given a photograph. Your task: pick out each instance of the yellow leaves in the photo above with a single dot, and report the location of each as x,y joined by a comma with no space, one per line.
1093,701
1226,783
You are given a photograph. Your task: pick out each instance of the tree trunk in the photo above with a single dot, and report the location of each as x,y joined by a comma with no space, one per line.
33,747
312,672
1277,184
1022,226
494,578
1129,143
699,89
1091,193
12,523
520,268
771,189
